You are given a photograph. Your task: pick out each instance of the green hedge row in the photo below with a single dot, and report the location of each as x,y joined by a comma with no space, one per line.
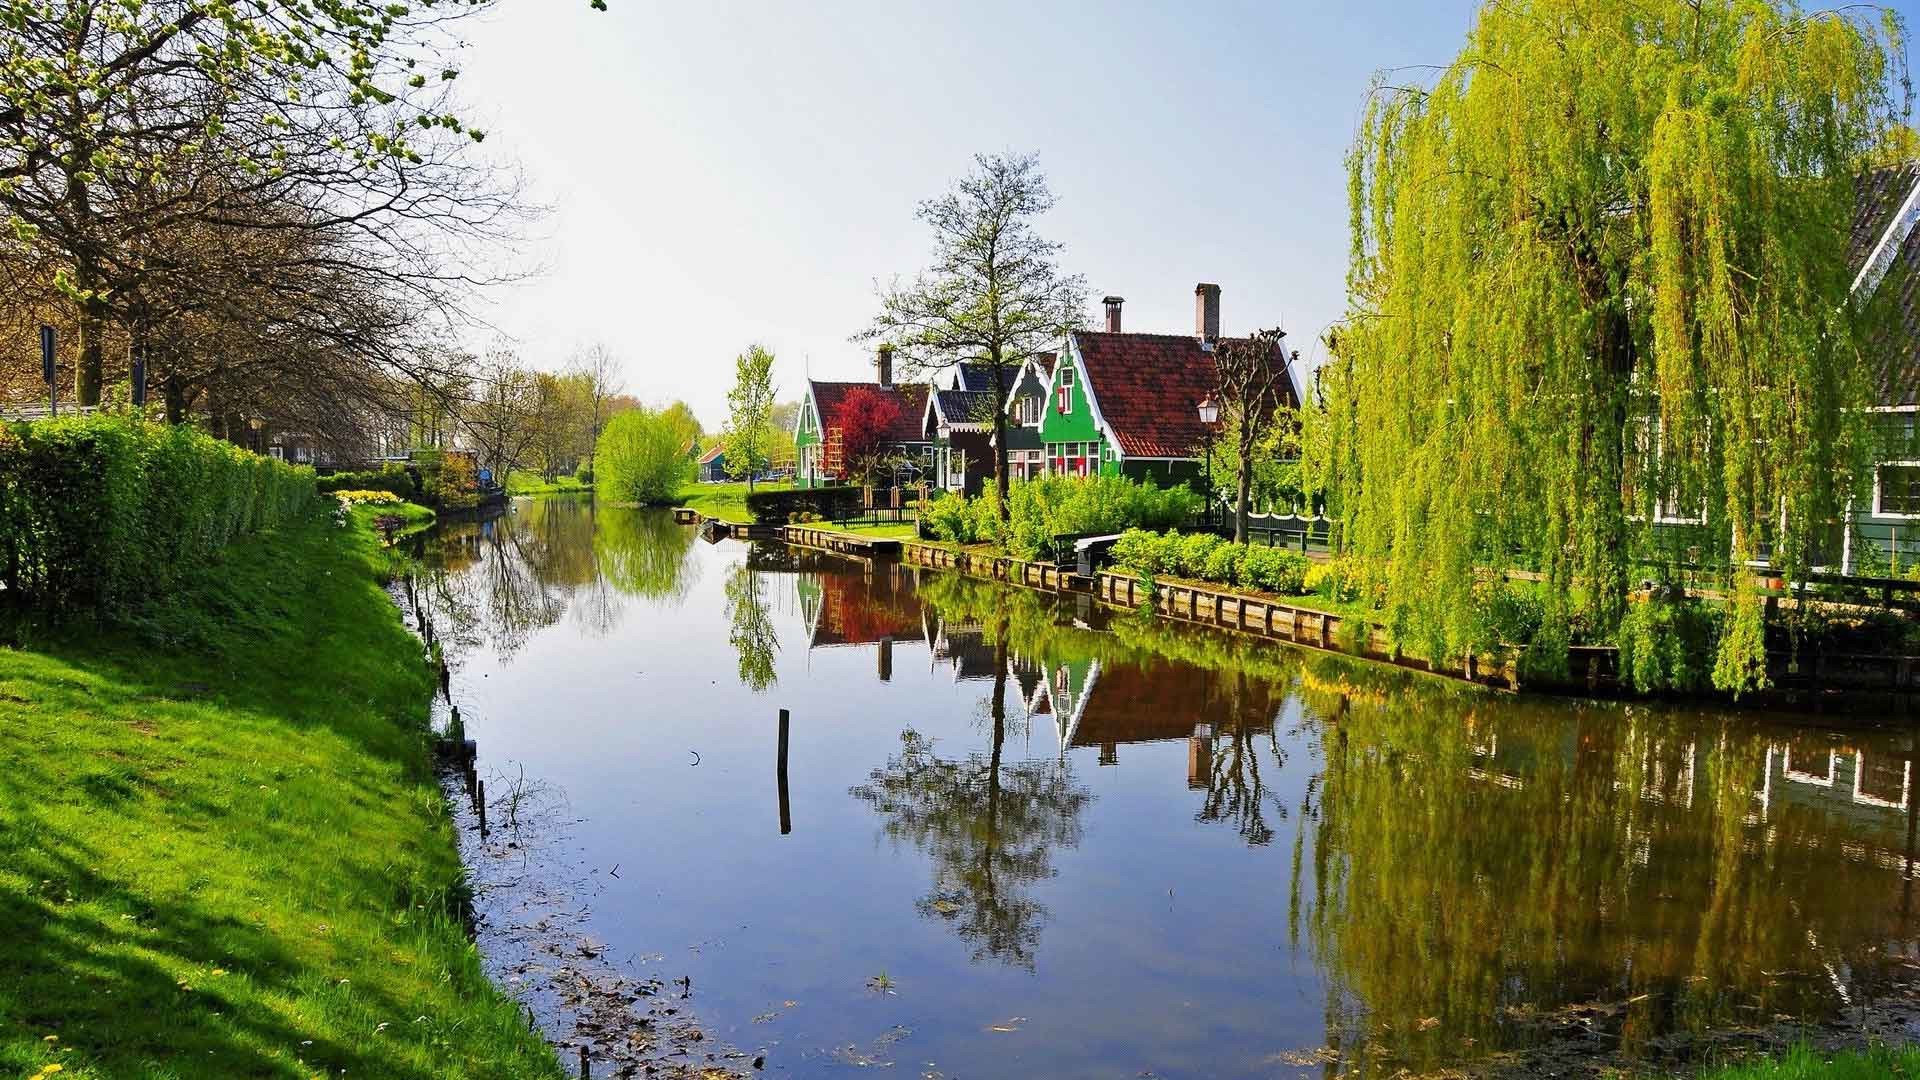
97,512
1205,557
1043,508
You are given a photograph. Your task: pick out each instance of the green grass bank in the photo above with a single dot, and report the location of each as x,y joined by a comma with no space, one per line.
1802,1063
222,849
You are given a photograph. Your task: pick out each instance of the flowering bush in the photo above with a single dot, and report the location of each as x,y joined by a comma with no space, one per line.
367,498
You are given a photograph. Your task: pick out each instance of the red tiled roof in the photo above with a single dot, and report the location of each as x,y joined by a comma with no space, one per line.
912,398
715,452
1149,386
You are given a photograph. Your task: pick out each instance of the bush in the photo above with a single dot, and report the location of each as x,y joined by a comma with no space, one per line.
368,498
97,512
947,518
449,481
1189,556
1275,570
1044,508
392,478
1224,563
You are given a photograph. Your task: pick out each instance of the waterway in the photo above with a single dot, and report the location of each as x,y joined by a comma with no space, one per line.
1028,836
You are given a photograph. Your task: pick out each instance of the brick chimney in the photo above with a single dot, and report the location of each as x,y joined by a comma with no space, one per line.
1206,312
1113,312
884,362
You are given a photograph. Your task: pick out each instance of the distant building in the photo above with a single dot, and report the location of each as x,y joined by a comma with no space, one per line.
711,468
818,447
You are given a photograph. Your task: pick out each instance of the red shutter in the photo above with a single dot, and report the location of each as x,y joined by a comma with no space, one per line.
1066,398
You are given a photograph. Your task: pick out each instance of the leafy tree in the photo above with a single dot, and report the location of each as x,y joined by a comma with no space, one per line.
1599,275
750,434
1251,372
993,292
600,368
643,455
864,419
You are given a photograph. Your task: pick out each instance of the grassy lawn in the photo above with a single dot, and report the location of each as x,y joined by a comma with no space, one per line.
222,851
521,482
727,502
1804,1064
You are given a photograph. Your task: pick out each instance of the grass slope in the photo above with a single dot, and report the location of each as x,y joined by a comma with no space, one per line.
222,852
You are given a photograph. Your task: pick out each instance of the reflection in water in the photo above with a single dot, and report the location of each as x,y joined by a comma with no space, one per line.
989,828
752,633
1462,874
497,581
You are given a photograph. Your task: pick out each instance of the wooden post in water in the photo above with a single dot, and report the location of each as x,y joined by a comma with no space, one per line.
480,805
585,1072
780,777
886,660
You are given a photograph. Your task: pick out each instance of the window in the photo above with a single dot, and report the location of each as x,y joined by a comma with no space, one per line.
1896,489
1066,390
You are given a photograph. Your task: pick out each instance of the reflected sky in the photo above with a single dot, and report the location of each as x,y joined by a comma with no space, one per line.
1033,836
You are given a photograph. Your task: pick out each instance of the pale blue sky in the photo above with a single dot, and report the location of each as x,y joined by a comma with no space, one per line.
724,173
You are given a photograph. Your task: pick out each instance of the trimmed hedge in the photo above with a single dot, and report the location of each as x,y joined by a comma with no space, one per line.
826,504
97,512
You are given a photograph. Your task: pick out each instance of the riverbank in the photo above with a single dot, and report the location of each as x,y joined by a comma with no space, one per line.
222,848
1806,1064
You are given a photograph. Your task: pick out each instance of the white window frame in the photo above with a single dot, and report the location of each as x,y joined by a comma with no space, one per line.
1787,770
1879,513
1064,394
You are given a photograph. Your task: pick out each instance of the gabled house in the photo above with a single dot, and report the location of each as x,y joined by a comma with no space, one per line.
959,424
712,466
819,453
1026,404
1883,251
1127,404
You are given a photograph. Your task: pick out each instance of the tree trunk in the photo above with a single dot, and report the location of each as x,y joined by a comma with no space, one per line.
1001,481
89,370
1245,484
176,398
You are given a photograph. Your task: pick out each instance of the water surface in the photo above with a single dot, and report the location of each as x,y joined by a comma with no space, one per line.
1031,837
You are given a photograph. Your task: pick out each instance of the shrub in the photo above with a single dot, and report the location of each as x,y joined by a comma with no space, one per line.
1275,570
947,518
1137,551
1223,563
371,498
99,511
1189,556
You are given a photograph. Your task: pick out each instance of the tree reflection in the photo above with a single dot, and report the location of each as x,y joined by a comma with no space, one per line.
1478,868
497,581
752,633
643,553
989,828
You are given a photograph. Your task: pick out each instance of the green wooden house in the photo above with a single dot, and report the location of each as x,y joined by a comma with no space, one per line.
1127,404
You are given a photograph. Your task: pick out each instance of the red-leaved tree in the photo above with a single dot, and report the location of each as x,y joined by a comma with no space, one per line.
864,420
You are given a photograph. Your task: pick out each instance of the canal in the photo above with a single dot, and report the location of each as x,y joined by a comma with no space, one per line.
1032,837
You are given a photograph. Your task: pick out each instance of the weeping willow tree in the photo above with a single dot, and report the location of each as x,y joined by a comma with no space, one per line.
1601,315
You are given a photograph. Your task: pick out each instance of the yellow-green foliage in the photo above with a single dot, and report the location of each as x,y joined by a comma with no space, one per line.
643,455
1599,276
229,857
99,512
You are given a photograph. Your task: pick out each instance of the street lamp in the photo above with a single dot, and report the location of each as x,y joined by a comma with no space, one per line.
1209,415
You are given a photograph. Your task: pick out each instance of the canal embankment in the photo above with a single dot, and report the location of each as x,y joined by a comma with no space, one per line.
223,851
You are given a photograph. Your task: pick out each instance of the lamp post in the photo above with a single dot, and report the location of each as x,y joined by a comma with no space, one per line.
1209,415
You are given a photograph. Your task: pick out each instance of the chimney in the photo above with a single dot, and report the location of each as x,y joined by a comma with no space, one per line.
1206,312
1113,312
885,363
